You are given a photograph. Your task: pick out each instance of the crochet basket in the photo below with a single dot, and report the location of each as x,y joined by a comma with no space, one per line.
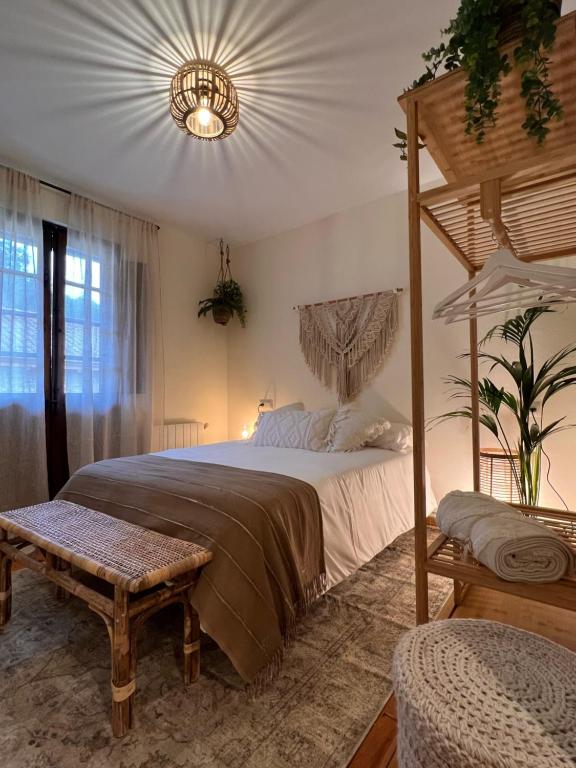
477,694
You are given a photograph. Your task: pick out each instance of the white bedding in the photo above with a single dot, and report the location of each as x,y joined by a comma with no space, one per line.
366,496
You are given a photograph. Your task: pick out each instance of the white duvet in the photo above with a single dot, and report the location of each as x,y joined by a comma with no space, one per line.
366,496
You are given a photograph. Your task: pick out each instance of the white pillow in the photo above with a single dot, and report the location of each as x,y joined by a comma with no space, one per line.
295,429
351,429
289,407
398,437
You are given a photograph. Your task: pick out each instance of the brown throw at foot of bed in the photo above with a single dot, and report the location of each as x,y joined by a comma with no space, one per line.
264,530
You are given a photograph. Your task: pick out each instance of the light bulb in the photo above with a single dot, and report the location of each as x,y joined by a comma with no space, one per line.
245,432
204,116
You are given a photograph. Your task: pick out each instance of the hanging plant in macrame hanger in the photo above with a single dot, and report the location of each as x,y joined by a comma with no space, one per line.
227,299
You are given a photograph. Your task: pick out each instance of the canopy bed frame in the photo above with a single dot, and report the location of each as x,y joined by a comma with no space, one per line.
507,192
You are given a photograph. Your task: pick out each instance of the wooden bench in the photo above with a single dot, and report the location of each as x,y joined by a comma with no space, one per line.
74,539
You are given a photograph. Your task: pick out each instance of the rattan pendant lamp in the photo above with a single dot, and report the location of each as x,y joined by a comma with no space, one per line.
204,101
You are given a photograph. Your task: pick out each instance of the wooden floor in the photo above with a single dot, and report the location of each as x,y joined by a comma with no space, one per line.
378,749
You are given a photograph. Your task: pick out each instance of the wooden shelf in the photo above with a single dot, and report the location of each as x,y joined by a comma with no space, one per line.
447,557
507,192
539,215
441,117
537,183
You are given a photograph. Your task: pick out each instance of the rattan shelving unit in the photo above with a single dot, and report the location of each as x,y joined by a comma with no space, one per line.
507,191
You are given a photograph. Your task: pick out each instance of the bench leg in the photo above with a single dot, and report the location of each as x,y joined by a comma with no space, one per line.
458,592
191,646
57,564
5,589
61,594
123,680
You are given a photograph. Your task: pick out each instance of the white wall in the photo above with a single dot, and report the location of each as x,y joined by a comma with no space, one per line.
217,374
551,332
195,351
357,251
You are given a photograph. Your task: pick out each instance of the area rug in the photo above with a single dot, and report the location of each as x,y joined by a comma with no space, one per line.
55,690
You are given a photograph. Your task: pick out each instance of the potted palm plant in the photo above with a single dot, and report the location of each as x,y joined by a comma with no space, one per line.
227,299
533,387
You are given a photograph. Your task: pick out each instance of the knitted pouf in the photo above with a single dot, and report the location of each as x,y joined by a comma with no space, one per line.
476,694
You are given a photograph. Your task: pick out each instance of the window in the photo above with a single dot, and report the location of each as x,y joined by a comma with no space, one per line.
21,307
82,312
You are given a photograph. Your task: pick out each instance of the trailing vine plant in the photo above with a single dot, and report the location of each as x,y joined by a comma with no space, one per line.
542,106
474,44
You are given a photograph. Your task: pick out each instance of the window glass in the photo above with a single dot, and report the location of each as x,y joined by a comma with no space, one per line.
82,324
21,361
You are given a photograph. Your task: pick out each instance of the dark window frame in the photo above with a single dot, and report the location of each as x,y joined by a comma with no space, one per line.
54,248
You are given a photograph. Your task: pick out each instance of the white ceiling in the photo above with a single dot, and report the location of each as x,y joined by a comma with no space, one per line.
84,103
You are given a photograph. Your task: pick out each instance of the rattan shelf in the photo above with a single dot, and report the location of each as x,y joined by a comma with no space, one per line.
447,557
506,192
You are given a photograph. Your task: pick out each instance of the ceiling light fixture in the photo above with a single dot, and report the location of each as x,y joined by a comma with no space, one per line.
203,101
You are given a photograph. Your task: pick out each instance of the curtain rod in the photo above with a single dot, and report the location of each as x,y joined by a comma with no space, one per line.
348,298
109,207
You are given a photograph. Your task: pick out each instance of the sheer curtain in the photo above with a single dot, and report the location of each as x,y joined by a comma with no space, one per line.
23,476
113,374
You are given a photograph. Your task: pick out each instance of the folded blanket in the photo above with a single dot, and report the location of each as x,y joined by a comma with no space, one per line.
264,530
514,546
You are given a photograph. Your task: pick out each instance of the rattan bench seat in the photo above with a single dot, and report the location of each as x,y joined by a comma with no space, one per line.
73,539
119,552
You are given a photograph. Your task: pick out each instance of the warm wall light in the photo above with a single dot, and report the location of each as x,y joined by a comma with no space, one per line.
497,474
203,100
245,432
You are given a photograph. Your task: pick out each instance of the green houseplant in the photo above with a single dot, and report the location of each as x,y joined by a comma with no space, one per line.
226,302
532,389
227,299
475,37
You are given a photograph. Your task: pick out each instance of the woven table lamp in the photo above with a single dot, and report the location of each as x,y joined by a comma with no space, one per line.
497,475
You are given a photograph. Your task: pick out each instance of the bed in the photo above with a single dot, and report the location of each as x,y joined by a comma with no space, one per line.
366,496
283,526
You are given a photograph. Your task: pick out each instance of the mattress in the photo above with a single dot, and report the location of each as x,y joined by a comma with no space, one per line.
366,496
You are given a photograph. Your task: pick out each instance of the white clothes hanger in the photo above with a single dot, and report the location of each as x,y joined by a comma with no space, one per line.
505,283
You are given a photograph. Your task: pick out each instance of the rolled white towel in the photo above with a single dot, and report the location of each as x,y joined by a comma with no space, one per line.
514,546
460,510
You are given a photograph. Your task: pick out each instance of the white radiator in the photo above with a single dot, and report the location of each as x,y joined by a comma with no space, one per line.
181,434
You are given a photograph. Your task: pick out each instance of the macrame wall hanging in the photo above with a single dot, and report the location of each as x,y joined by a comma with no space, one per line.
348,338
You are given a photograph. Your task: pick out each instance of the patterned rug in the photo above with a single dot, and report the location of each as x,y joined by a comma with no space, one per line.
55,691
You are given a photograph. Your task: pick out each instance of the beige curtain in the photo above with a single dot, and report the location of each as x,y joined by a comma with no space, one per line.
23,475
348,339
113,370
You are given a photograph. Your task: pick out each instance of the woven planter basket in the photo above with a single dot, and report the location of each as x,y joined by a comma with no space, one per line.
221,315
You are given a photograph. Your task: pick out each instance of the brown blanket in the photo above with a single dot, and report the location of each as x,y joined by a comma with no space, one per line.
264,529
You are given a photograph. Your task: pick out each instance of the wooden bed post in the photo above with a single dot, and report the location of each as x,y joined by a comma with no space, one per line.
417,355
